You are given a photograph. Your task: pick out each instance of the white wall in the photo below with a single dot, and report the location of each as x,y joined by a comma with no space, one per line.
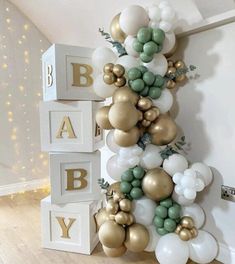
205,110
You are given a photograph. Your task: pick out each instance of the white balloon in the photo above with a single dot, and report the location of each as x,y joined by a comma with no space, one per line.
114,169
166,26
165,101
167,13
153,239
196,212
128,43
101,56
129,156
127,62
180,199
154,13
204,170
144,211
163,4
190,193
158,65
132,19
151,157
203,248
111,143
169,42
154,24
175,163
171,249
102,89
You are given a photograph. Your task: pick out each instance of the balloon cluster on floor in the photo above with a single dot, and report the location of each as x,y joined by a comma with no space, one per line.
151,206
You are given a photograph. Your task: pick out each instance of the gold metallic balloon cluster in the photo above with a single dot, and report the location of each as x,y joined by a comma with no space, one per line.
174,74
114,74
186,229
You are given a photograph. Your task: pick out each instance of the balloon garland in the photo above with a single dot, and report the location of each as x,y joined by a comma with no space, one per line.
151,206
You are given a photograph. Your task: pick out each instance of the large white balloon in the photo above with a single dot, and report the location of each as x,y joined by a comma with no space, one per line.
204,248
204,170
180,199
158,65
144,211
196,212
114,170
153,239
169,42
102,89
175,163
127,62
129,156
128,43
165,101
101,56
171,249
151,157
154,13
111,143
132,19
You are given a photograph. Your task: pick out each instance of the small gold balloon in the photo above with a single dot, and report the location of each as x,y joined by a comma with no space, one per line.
157,184
118,197
141,115
130,220
170,63
116,31
109,78
118,70
112,217
144,103
111,234
180,78
185,234
150,115
179,64
121,81
145,123
112,207
128,138
125,205
101,217
171,70
137,238
163,130
114,252
102,118
187,222
121,218
170,84
178,229
194,232
125,94
108,68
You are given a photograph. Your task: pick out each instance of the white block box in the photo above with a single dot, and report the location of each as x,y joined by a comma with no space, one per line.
74,177
69,227
70,126
68,73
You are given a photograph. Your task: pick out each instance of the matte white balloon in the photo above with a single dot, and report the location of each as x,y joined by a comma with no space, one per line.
158,65
111,143
190,193
167,13
204,248
165,101
153,238
132,19
128,62
169,42
171,249
144,211
175,163
151,157
129,156
204,170
128,43
154,24
166,26
163,4
154,13
180,199
196,212
101,56
102,89
114,170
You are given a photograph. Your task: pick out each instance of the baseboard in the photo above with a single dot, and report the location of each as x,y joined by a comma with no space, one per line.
226,254
23,186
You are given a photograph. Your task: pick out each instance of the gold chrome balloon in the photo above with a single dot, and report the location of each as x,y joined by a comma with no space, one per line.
128,138
125,205
157,184
131,219
151,114
144,104
170,84
114,252
185,234
122,218
101,217
187,222
109,78
120,82
137,238
145,123
118,70
112,207
108,68
102,118
116,31
125,94
171,71
180,78
179,64
194,232
170,63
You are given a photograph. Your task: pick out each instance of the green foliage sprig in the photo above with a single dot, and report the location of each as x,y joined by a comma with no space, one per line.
117,45
179,72
144,140
104,185
173,149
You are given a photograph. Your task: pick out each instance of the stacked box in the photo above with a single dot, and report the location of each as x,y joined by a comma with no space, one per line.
71,136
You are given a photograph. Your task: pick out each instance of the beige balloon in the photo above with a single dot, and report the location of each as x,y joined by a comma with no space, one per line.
115,30
101,217
111,234
163,130
122,218
125,94
125,205
114,252
128,138
102,118
118,70
112,207
144,103
157,184
137,238
123,115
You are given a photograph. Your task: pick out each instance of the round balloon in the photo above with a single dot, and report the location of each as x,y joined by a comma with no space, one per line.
180,199
154,13
127,62
151,157
175,163
102,118
128,138
102,89
153,239
114,169
114,252
102,56
171,249
204,170
158,65
164,102
128,44
196,212
111,143
168,43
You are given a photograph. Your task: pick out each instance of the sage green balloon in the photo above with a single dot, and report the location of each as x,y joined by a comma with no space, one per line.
158,35
136,193
143,69
174,212
155,92
137,85
158,221
134,73
169,225
125,187
138,172
127,176
162,231
145,92
136,183
161,211
144,34
150,48
159,81
137,46
145,57
149,78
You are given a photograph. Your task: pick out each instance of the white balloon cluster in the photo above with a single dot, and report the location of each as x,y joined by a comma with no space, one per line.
129,156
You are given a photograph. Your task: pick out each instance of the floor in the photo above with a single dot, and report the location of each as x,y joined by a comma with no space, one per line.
20,237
